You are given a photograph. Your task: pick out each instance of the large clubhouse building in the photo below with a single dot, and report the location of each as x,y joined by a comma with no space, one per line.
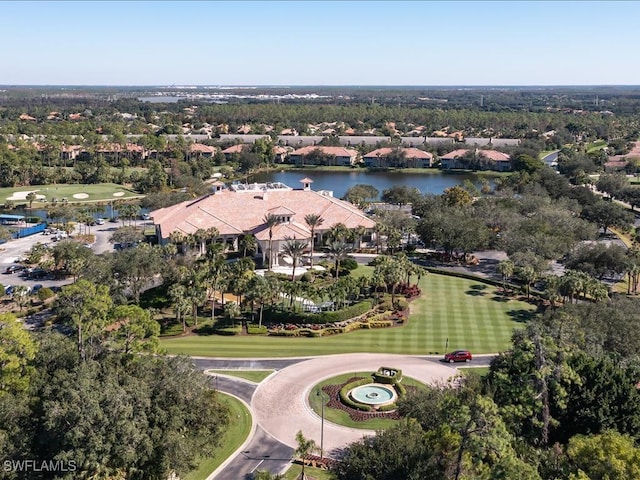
241,209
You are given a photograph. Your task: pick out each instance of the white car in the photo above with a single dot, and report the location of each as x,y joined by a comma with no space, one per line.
100,221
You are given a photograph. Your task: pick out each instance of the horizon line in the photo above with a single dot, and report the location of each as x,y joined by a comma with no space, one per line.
3,85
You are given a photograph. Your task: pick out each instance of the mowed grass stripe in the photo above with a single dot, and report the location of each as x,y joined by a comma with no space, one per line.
469,313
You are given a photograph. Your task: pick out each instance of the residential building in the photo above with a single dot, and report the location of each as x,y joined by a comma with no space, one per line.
398,157
320,155
484,160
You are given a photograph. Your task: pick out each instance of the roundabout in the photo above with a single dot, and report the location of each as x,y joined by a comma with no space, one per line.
280,403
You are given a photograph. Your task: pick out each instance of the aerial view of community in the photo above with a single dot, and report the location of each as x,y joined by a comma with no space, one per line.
325,240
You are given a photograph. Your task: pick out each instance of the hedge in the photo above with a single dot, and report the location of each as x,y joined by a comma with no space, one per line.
379,378
351,311
228,330
340,315
401,389
344,394
257,330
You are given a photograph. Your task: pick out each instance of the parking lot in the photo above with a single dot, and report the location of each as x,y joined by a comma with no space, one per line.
13,251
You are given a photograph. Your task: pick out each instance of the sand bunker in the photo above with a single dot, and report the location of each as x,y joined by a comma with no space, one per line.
80,195
23,195
118,194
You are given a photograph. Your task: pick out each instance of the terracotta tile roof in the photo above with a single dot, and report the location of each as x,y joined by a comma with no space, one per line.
409,153
455,154
27,117
200,148
233,149
337,151
283,231
278,150
495,155
235,213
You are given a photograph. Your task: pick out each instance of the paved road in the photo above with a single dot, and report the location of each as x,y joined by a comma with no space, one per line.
279,403
18,248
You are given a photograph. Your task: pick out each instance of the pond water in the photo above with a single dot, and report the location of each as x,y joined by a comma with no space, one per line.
340,181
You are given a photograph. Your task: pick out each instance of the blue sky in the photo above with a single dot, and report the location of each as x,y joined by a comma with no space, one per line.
320,43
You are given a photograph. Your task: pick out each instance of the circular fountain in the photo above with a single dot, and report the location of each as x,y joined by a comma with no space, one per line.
374,394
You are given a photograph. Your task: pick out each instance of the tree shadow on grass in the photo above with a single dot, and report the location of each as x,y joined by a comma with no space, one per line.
477,290
521,315
500,298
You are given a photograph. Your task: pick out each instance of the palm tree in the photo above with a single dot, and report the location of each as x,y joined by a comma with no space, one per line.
271,221
176,237
294,249
305,447
506,269
313,221
31,197
337,250
380,229
339,231
259,290
85,218
248,244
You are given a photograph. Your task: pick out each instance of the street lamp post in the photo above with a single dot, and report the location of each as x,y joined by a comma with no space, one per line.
320,394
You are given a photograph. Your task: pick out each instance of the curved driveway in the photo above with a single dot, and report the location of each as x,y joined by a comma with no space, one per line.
279,403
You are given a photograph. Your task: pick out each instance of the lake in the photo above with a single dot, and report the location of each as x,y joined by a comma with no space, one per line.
340,181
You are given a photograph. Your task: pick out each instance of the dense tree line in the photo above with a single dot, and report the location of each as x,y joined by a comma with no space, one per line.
114,415
562,403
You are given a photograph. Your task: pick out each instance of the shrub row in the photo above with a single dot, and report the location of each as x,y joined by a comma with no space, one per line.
323,332
344,394
257,330
276,316
229,330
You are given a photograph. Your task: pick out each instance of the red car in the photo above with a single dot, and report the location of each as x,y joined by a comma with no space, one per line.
458,356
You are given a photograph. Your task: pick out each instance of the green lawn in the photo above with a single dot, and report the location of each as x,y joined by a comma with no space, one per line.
312,473
100,192
340,417
482,371
467,313
252,375
239,429
363,271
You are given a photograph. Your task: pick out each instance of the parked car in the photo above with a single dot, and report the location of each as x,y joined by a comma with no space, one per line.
36,288
14,268
100,221
8,290
37,273
458,356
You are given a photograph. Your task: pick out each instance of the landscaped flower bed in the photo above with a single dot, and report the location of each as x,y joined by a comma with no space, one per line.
333,391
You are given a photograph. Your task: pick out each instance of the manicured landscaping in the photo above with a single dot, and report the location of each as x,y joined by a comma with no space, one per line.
341,417
99,192
236,434
456,312
252,375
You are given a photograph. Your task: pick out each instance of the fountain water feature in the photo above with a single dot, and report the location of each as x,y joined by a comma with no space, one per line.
374,394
